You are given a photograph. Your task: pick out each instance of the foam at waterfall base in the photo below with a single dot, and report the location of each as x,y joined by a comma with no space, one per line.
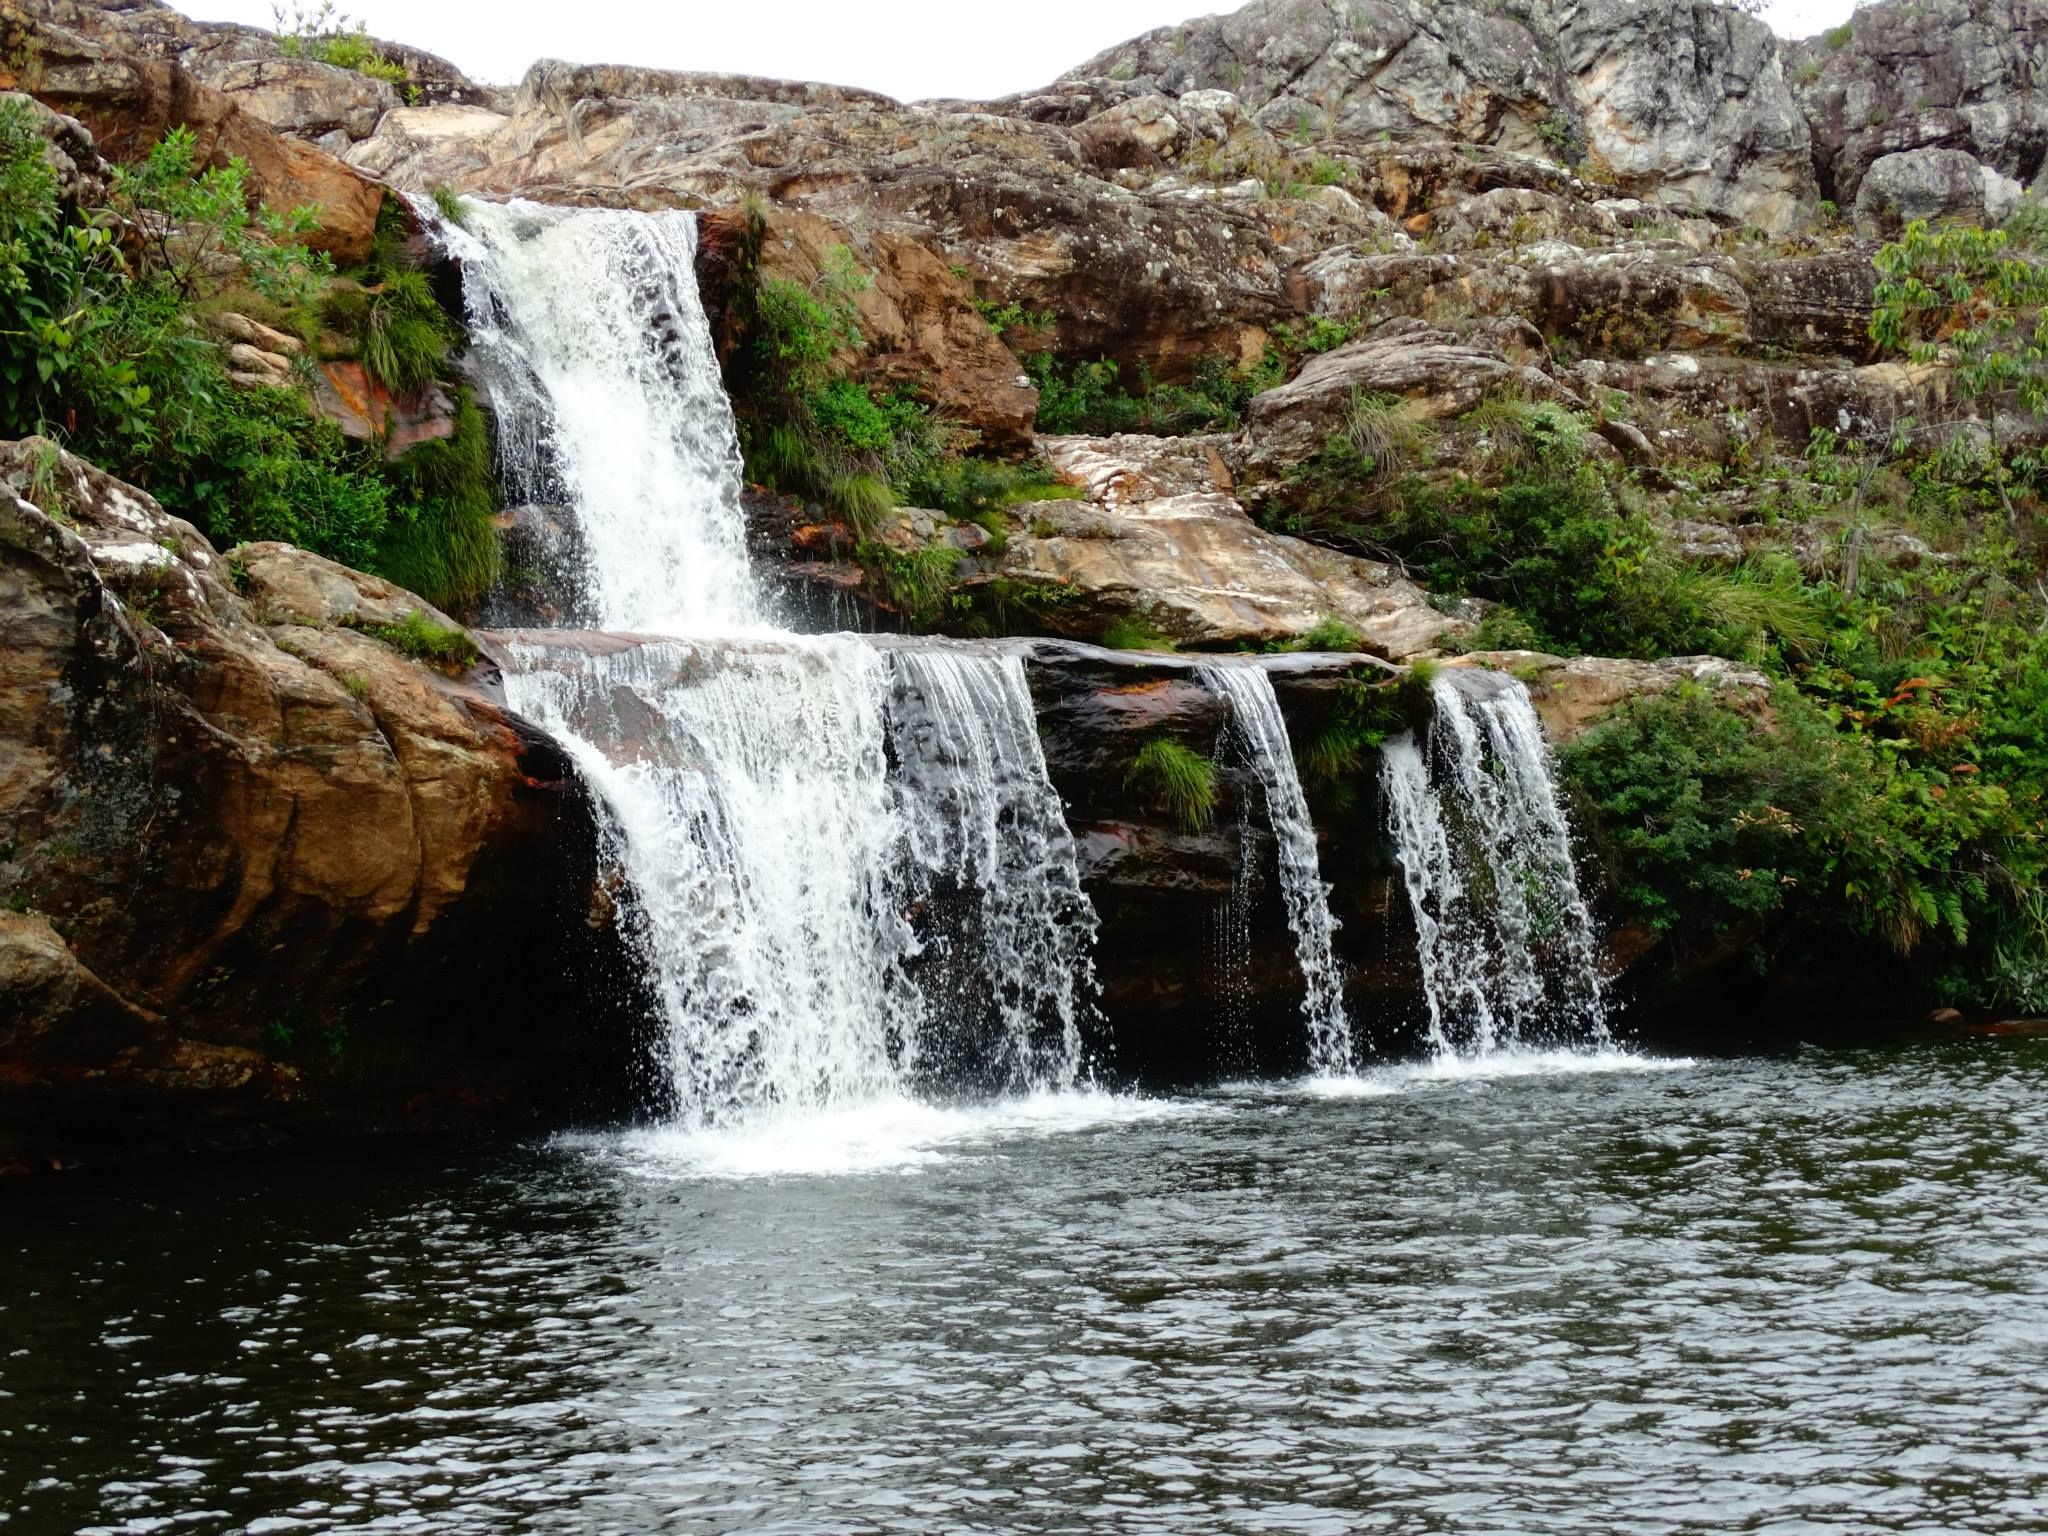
885,1135
1512,1062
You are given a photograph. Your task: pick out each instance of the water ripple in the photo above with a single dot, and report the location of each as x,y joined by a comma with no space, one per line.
1788,1295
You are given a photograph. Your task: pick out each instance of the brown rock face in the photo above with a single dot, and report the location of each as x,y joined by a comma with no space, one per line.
1161,539
80,59
267,868
922,328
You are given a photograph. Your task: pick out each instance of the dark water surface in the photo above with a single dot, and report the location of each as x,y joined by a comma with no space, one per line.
1793,1294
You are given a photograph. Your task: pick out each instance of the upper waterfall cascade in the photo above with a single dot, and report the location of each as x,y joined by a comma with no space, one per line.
779,803
1262,730
593,347
1504,937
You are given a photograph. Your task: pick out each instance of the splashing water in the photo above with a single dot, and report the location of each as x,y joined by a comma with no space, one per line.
981,817
1504,938
753,815
1261,729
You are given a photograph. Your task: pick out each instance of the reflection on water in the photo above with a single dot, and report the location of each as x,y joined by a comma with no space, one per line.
1785,1295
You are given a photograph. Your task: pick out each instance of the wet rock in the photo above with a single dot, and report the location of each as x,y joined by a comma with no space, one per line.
285,863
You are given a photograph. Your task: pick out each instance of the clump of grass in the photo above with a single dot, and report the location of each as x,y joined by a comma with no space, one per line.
357,684
422,639
398,328
914,582
1177,780
1380,430
449,201
1125,633
1330,634
864,500
442,543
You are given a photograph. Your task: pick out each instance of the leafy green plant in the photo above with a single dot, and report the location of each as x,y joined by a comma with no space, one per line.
1176,780
324,33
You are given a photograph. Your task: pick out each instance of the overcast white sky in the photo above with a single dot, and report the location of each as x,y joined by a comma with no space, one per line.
908,48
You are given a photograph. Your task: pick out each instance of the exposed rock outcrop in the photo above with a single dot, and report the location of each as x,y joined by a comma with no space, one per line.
269,871
122,74
1683,102
1960,75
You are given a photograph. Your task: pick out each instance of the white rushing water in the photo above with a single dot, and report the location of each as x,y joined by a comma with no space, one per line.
754,817
1503,936
591,341
1261,729
780,804
981,816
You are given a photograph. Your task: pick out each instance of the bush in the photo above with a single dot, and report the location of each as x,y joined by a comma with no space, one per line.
1714,822
1176,780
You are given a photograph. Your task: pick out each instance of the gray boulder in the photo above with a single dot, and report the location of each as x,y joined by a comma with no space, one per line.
1931,184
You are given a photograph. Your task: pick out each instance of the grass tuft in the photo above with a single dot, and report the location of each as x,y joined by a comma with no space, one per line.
1177,780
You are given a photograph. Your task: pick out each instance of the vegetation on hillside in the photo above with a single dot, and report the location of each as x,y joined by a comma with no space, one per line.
103,346
1892,794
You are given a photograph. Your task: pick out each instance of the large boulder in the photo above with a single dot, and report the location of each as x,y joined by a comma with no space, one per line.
1931,184
272,870
1433,374
1161,540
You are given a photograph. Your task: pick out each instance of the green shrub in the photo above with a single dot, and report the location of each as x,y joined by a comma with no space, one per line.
1712,821
1176,780
1330,634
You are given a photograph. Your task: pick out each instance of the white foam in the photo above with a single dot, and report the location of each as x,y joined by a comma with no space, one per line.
885,1135
1530,1063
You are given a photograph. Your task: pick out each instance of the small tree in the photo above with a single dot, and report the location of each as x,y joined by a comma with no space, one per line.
1971,299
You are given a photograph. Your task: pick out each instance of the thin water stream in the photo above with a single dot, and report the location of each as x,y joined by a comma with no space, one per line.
1791,1294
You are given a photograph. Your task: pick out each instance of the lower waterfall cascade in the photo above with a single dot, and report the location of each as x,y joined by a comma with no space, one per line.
1504,937
850,874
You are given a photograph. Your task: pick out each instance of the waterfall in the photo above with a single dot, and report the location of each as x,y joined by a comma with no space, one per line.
781,805
1503,936
1261,730
982,820
748,785
587,332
